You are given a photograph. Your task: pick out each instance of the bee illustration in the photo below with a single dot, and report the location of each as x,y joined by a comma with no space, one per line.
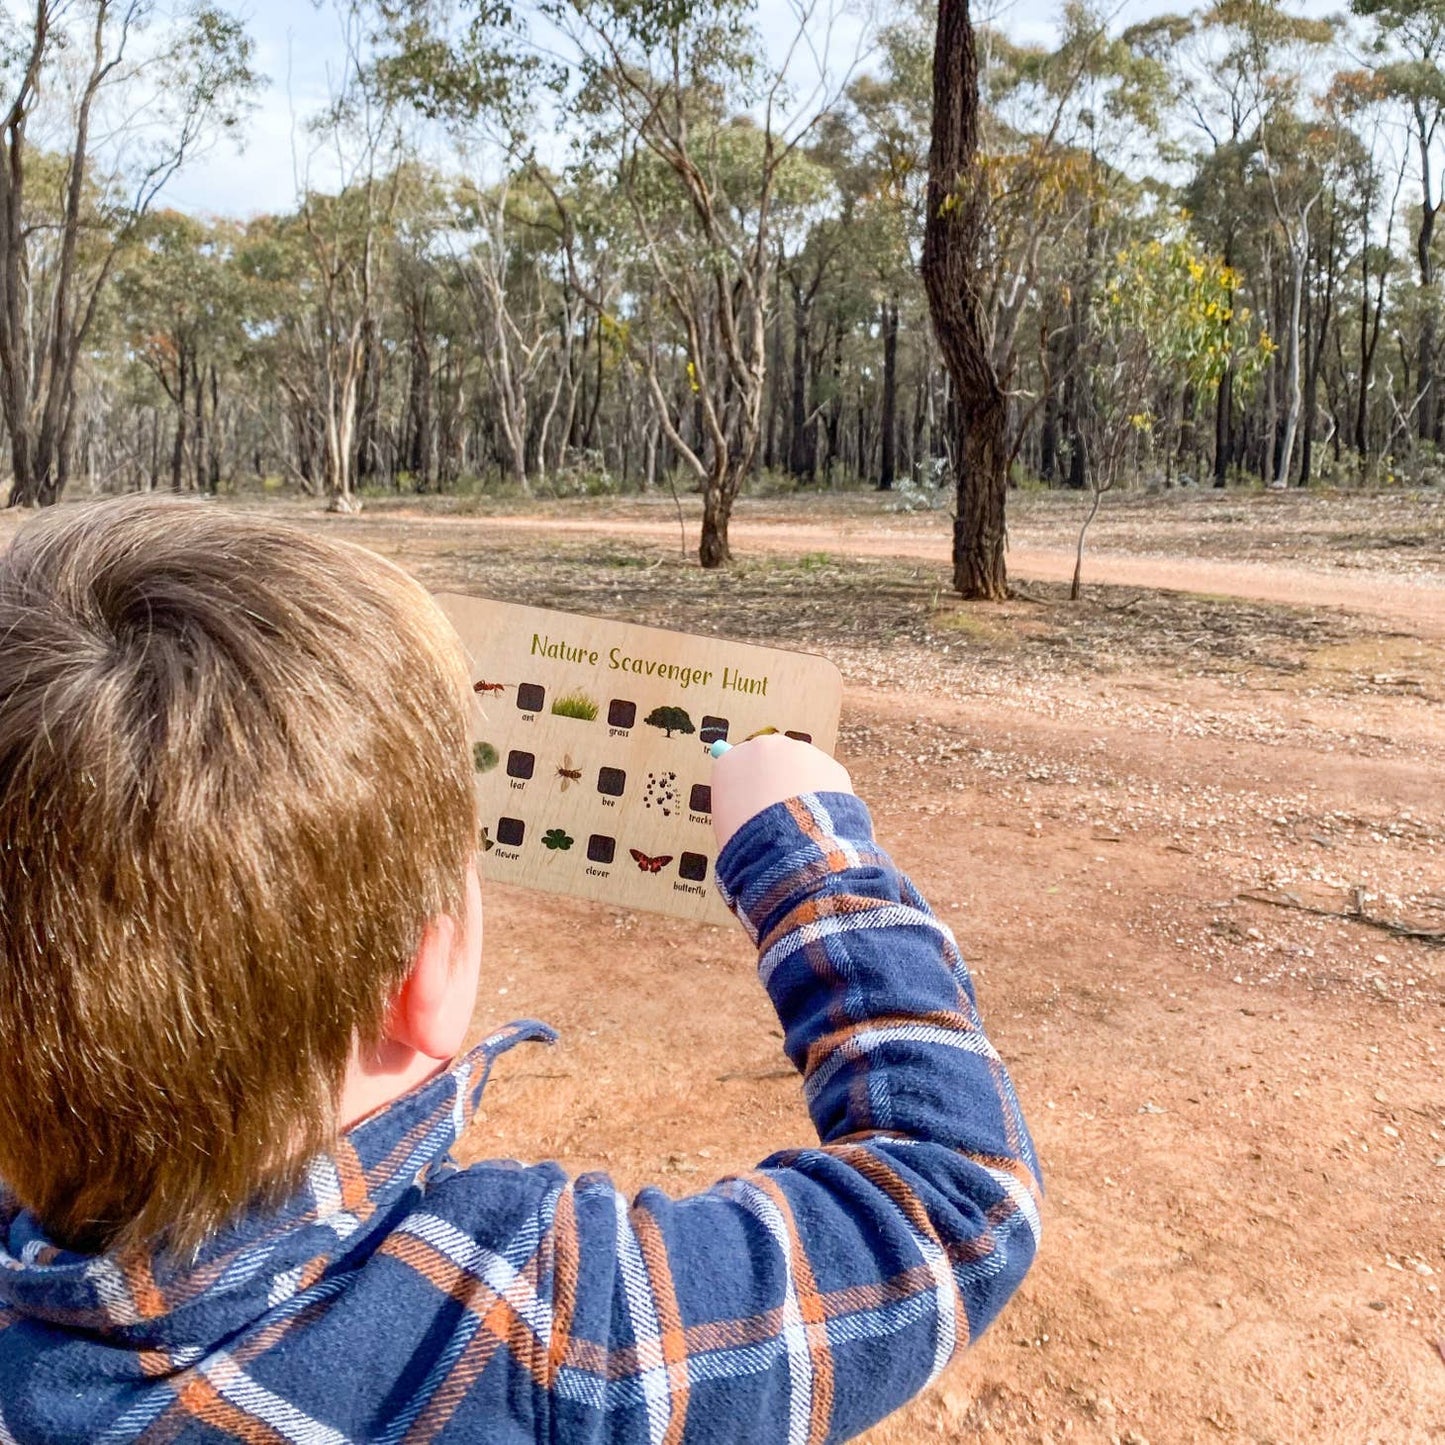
568,773
486,687
649,865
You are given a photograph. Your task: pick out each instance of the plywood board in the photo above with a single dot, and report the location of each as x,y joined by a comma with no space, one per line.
591,742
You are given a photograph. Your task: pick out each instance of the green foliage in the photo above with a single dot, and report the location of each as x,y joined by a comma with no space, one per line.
575,704
479,74
484,757
1182,306
587,300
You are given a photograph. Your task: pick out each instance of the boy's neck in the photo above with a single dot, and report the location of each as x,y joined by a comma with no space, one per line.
379,1076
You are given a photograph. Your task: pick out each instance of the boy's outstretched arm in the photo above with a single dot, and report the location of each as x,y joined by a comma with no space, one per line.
806,1300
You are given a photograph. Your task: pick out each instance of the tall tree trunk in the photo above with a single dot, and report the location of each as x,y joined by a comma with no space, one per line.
835,406
1224,427
1224,398
1293,398
199,463
888,423
420,450
1429,416
178,450
1049,419
775,378
1307,405
590,430
953,233
717,505
1268,441
213,478
802,454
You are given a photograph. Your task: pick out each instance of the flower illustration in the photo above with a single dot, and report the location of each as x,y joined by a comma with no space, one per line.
556,838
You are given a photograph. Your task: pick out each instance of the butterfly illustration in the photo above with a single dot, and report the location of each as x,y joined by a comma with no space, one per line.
568,773
650,865
487,841
484,687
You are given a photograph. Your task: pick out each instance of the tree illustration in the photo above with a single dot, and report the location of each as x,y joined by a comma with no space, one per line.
670,720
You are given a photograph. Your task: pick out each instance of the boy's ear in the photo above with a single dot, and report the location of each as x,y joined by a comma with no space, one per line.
424,1015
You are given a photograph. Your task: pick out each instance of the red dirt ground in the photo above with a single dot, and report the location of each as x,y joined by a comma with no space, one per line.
1240,1108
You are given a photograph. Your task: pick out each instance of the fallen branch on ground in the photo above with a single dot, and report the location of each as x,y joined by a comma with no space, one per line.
1017,593
1432,936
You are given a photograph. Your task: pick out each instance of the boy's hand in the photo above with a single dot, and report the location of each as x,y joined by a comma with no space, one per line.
751,777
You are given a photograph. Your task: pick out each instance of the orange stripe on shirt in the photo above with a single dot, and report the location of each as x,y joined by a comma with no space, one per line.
669,1320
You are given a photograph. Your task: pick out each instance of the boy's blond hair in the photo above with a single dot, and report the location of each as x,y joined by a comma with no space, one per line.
234,787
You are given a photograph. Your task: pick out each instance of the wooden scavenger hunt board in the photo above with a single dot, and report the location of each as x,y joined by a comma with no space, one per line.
591,744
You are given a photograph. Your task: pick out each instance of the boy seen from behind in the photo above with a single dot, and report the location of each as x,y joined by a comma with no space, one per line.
240,943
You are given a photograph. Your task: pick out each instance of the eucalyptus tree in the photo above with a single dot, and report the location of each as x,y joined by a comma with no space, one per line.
888,176
1409,42
704,137
999,185
124,93
177,297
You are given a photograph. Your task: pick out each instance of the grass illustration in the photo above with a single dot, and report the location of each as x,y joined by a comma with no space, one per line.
575,704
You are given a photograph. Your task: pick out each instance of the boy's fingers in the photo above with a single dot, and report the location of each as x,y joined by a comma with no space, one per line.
753,776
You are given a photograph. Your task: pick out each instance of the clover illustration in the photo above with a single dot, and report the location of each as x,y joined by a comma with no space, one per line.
556,838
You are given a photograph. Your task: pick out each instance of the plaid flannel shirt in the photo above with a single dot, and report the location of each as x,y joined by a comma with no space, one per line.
398,1298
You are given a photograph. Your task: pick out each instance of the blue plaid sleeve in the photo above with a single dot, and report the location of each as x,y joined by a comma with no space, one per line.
808,1299
397,1299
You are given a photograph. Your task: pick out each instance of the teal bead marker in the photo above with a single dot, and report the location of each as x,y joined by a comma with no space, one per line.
719,747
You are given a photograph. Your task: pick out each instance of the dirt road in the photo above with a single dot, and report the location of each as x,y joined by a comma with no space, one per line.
1240,1107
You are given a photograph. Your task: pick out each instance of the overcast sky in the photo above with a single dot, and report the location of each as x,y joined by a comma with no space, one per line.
299,51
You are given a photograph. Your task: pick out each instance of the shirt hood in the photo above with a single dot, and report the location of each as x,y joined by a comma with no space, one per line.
144,1301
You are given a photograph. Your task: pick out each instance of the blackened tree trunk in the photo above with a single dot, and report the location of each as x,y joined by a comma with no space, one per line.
835,406
888,423
954,231
199,464
213,477
1224,398
178,449
1430,411
802,444
1224,427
